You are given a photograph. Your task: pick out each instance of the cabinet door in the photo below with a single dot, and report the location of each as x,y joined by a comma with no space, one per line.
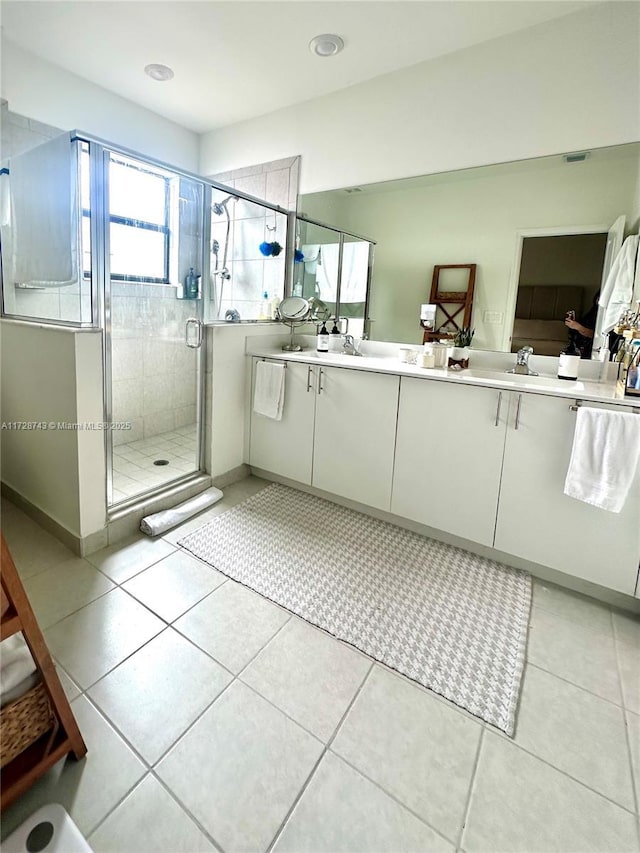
355,434
285,447
448,455
538,522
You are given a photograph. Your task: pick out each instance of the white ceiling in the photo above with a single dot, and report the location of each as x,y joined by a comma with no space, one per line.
236,60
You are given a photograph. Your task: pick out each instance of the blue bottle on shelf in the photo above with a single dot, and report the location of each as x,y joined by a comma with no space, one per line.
191,285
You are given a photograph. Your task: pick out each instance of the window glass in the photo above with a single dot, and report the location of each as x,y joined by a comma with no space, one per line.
137,193
137,252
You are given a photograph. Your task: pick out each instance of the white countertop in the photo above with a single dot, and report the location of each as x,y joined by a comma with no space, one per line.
580,390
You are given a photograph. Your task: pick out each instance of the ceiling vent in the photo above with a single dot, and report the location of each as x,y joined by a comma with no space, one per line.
577,157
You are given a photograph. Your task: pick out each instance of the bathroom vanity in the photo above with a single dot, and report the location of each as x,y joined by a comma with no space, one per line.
478,455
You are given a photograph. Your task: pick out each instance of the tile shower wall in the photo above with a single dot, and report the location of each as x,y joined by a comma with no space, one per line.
251,273
154,373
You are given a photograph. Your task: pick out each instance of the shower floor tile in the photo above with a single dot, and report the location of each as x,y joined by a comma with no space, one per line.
134,471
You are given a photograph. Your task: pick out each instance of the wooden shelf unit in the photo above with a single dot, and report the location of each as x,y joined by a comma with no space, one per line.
441,298
17,615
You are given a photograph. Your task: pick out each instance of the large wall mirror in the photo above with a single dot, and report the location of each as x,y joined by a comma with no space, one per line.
500,217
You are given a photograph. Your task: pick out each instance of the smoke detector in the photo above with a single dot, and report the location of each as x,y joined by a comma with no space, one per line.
158,72
326,45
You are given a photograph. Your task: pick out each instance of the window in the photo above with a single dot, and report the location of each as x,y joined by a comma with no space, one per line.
139,234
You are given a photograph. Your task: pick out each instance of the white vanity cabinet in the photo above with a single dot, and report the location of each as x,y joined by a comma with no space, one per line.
538,522
449,448
285,447
355,434
337,432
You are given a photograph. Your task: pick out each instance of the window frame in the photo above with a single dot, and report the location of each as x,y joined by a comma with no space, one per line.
144,225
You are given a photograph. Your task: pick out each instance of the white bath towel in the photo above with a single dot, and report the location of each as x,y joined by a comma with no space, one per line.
157,523
16,665
617,291
604,457
43,185
268,394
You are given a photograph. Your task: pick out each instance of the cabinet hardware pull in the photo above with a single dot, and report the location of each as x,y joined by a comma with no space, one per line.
498,409
308,378
320,388
517,423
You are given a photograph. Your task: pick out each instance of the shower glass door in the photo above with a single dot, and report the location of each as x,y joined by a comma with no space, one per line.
153,321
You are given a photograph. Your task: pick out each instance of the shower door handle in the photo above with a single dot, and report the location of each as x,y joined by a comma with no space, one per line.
193,333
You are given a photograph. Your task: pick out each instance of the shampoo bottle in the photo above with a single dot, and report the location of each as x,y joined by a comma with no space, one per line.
265,312
191,285
323,339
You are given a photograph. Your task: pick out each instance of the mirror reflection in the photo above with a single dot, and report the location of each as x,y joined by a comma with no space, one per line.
334,267
484,216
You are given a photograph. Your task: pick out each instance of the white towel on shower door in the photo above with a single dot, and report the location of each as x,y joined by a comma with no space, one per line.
268,394
604,457
43,185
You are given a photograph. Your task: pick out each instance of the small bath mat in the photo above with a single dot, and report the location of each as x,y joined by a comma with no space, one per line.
454,622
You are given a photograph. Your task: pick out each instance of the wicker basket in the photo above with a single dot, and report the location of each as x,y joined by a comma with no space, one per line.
24,720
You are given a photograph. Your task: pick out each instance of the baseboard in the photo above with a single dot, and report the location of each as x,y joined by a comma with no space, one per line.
73,542
241,472
543,573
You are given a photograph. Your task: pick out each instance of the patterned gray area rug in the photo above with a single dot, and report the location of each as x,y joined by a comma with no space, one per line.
454,622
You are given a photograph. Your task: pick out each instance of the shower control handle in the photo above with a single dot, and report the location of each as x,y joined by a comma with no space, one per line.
193,333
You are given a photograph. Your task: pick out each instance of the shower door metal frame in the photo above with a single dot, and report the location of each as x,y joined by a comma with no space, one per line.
102,289
99,153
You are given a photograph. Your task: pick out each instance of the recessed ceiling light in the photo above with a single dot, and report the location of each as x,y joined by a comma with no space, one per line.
326,45
158,72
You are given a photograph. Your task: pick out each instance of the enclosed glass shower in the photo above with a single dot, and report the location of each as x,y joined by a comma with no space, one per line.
95,236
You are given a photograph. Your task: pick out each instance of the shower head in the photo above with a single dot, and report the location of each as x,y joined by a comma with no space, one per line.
221,207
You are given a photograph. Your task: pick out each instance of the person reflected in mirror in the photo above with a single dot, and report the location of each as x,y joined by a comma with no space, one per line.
581,331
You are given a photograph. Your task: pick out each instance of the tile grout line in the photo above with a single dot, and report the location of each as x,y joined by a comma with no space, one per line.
325,749
582,784
625,715
189,814
393,797
472,781
574,684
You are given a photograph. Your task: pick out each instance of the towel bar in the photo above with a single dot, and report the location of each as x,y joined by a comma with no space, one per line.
276,359
578,403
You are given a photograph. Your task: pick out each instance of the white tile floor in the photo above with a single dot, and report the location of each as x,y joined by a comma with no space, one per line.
134,471
217,721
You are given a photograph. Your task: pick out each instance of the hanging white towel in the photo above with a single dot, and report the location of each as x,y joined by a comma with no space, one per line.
604,457
43,185
268,394
617,291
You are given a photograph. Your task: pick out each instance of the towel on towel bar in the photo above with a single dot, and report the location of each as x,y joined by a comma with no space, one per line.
604,457
268,394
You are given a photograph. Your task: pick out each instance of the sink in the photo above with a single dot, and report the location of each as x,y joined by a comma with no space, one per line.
520,379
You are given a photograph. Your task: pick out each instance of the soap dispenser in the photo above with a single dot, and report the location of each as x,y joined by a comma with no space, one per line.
323,339
569,362
335,339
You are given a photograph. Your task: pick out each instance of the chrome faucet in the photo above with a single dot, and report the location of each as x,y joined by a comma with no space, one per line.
522,362
350,346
